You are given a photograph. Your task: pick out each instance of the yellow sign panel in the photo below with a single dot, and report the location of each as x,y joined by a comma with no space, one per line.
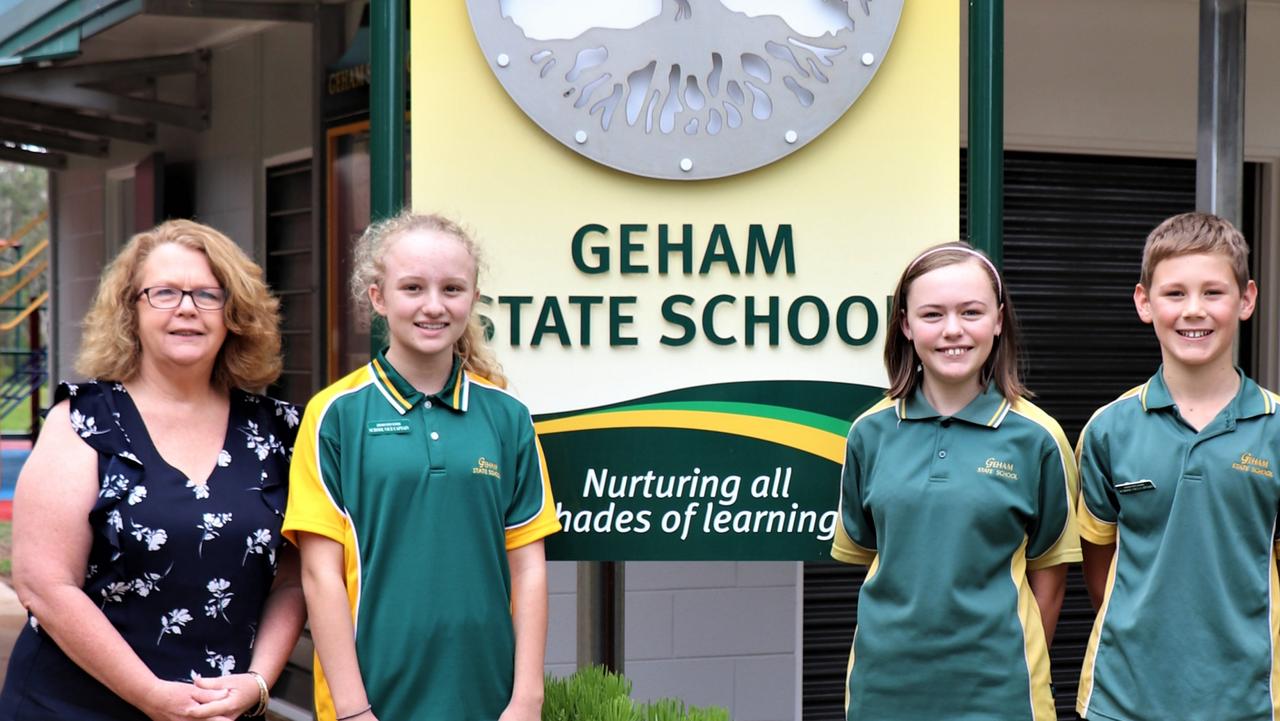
666,329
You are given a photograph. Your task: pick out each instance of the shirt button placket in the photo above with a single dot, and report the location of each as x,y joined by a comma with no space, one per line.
938,466
435,453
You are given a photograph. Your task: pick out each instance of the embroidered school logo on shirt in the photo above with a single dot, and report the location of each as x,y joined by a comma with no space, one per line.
996,467
486,468
1250,463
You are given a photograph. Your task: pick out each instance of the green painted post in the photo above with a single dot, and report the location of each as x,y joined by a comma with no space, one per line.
986,127
386,120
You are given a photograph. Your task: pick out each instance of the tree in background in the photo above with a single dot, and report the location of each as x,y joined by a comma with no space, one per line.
24,192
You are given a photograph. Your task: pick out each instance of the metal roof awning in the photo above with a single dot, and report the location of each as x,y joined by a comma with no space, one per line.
75,74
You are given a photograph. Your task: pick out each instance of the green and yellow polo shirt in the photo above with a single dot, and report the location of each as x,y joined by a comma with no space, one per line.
426,493
951,512
1191,618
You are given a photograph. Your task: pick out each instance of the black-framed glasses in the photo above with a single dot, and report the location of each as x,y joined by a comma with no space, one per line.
163,297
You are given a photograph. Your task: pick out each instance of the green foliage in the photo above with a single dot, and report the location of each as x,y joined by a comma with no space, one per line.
23,195
6,548
668,709
590,693
596,694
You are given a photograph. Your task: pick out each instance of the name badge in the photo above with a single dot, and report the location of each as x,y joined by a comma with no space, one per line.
1135,486
378,428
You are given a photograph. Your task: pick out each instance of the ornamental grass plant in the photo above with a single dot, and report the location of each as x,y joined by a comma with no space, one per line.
597,694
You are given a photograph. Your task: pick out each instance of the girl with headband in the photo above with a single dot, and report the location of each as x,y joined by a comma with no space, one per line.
957,492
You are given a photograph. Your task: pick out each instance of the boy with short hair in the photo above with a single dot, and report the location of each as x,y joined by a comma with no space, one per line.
1178,503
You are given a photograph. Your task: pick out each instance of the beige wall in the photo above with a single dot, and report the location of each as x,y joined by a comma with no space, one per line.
261,107
1119,77
78,255
261,88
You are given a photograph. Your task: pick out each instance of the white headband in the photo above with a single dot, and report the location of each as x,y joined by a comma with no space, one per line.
963,249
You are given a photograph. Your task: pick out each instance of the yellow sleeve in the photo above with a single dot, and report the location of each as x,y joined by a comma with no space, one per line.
315,505
532,513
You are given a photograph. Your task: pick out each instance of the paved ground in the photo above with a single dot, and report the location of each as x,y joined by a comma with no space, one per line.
12,616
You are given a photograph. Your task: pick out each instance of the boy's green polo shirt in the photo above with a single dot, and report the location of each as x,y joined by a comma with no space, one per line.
951,513
427,493
1188,628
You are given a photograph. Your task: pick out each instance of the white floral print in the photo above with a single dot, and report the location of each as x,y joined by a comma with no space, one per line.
200,489
256,442
113,486
147,583
115,592
212,522
153,538
172,623
257,543
224,664
219,598
136,538
288,412
84,426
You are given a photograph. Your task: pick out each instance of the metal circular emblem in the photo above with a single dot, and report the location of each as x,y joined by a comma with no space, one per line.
701,83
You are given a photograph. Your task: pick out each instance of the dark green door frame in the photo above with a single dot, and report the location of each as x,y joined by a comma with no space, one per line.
386,107
387,53
986,127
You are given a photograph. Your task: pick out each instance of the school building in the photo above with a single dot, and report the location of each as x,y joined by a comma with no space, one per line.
252,116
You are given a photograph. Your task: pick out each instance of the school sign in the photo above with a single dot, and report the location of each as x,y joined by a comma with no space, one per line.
691,223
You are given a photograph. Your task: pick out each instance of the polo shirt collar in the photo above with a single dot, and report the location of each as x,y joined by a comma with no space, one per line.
1250,400
988,409
403,396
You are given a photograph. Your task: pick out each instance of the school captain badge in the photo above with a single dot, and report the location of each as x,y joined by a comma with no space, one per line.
379,428
486,468
996,467
1250,463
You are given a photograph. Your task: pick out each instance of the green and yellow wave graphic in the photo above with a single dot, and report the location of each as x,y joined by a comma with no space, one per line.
814,433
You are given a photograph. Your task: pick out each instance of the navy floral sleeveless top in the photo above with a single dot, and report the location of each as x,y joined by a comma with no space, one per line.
180,568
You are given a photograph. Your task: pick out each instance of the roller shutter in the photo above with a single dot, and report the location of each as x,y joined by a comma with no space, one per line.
1073,233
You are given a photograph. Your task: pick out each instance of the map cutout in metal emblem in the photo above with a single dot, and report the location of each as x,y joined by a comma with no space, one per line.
698,91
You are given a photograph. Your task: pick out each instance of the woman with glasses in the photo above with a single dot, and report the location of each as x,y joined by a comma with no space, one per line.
147,544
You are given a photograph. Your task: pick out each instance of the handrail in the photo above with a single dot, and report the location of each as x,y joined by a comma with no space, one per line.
26,228
26,258
13,322
26,280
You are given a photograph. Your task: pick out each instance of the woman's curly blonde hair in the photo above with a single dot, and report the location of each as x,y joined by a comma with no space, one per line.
250,354
369,269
